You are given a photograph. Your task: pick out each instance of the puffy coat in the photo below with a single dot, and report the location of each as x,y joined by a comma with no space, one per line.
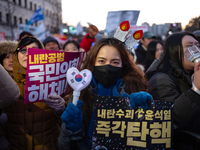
141,54
32,126
174,85
9,90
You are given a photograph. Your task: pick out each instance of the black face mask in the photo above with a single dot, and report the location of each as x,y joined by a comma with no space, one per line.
107,75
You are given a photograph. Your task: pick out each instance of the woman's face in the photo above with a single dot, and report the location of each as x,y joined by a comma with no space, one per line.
22,54
71,48
108,55
188,41
8,62
159,50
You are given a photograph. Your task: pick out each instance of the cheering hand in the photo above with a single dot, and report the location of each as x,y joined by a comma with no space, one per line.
93,30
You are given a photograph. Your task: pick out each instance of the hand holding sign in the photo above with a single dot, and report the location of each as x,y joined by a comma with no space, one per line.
56,102
78,81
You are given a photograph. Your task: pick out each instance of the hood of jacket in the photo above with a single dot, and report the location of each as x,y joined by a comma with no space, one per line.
152,69
7,47
19,72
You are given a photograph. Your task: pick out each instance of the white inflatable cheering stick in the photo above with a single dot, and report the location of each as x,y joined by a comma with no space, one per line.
78,81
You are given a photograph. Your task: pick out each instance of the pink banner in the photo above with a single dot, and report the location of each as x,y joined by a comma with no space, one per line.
46,73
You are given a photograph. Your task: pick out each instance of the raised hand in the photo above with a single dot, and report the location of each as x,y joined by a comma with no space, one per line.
93,30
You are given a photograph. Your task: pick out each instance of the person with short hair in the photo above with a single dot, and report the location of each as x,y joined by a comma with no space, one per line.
141,50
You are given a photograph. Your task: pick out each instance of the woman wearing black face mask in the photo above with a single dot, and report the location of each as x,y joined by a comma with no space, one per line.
113,75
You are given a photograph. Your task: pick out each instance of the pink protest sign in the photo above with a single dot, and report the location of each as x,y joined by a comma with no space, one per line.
46,73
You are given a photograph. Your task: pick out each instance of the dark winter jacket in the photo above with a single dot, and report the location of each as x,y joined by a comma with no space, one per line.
32,126
174,85
141,54
8,88
9,92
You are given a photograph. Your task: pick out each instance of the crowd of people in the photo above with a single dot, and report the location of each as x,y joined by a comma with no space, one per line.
155,70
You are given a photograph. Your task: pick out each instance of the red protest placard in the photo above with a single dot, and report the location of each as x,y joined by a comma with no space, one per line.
46,73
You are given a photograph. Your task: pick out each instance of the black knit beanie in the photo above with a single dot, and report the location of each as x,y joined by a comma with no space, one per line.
50,39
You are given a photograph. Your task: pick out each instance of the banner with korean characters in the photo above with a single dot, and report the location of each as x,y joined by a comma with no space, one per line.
118,127
46,73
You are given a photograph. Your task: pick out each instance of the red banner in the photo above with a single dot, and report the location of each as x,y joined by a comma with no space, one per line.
46,73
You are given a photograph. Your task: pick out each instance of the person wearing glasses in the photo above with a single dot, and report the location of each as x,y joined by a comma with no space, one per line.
33,126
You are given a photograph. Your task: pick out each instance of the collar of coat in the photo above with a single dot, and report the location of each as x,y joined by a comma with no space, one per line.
19,72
